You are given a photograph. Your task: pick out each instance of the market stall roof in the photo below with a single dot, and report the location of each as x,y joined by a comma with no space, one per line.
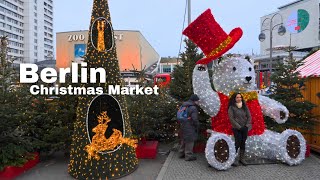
311,67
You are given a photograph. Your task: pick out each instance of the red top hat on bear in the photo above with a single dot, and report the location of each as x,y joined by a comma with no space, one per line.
210,37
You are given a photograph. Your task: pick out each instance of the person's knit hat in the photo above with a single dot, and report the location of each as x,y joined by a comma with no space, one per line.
194,97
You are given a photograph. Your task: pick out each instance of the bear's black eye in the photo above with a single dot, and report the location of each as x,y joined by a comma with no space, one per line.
234,68
250,69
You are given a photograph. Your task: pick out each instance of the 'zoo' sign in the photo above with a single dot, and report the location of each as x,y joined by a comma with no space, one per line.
75,37
81,37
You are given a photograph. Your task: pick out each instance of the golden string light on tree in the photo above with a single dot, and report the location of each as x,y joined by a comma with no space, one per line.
122,160
100,143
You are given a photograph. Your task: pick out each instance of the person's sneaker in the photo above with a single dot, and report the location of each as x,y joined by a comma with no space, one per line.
193,158
181,156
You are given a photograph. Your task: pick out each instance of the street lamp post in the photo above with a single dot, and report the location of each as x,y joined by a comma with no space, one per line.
281,32
189,11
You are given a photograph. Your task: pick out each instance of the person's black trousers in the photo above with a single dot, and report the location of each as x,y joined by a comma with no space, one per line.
240,136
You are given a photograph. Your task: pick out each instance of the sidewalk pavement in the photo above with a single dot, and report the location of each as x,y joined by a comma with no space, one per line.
57,168
179,169
170,167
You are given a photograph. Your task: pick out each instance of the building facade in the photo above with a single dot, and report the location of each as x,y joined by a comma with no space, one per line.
134,53
302,22
29,27
133,50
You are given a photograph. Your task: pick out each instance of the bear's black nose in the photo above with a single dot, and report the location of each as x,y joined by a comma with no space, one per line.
248,78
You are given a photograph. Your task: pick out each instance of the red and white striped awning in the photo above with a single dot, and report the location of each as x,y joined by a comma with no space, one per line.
311,67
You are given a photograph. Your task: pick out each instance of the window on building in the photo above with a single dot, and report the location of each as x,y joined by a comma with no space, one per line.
166,68
51,13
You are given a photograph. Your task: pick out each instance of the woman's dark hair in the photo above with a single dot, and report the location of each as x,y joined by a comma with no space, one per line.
232,101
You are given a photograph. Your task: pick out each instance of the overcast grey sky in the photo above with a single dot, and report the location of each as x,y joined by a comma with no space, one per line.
161,21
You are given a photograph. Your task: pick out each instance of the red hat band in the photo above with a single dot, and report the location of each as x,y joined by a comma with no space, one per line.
221,46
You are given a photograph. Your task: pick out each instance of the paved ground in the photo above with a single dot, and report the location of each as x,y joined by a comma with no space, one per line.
178,169
173,168
56,168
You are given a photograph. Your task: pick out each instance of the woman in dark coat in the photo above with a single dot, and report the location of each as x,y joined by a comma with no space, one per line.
240,119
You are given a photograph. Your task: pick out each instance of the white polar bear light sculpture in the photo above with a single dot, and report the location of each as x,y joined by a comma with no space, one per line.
237,75
232,75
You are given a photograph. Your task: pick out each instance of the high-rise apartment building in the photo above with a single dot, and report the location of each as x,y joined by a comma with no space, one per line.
29,27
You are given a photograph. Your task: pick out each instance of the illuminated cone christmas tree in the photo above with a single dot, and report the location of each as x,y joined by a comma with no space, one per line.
101,147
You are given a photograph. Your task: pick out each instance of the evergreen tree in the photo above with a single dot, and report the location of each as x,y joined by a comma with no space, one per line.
14,99
286,90
50,123
137,107
163,112
101,53
152,116
181,84
67,109
29,123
